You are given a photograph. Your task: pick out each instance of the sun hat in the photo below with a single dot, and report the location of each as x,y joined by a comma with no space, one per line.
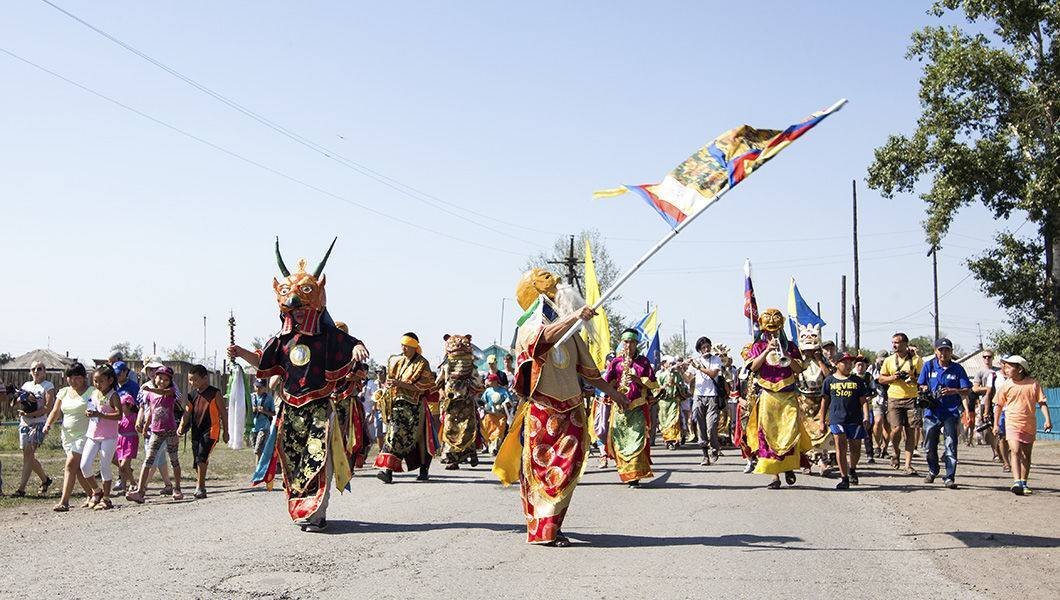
1016,359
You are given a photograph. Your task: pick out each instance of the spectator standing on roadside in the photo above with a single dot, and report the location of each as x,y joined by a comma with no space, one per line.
948,383
491,369
150,368
263,408
33,408
881,430
899,373
70,406
103,412
1017,402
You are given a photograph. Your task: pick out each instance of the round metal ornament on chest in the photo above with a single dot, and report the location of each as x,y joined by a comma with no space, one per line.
300,355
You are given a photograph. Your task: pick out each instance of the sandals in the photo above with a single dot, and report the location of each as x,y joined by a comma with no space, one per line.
894,462
103,504
18,494
166,491
136,497
93,501
178,495
60,507
44,485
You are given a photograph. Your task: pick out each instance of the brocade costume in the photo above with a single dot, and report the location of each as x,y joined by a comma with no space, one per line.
461,388
410,437
775,433
627,439
546,447
672,391
810,384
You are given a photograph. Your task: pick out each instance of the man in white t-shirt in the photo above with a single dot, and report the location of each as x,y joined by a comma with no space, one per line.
706,406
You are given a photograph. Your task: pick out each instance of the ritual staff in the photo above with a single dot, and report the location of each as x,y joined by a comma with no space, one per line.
672,391
410,436
460,387
313,357
775,432
552,421
627,439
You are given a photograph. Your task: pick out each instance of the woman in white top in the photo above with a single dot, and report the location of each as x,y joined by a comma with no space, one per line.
33,409
70,408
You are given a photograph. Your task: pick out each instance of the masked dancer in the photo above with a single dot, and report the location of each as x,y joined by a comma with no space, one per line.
546,450
775,432
460,387
313,357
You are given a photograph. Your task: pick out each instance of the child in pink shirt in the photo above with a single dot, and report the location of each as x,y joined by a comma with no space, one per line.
160,402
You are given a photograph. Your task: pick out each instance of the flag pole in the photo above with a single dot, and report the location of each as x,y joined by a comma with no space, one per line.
665,240
640,263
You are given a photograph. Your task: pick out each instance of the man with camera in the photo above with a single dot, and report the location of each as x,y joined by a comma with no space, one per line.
946,386
899,373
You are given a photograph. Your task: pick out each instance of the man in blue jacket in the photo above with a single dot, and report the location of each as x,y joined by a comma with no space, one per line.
948,384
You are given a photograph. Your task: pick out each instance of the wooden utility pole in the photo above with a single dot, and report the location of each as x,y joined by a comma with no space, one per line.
843,318
571,262
935,284
856,312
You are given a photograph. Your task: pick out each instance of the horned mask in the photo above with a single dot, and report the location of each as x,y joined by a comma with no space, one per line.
809,337
301,289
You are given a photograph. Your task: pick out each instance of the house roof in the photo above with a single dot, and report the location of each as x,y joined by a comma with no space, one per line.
53,361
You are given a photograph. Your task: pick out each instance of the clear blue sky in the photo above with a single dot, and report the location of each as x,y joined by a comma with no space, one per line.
119,229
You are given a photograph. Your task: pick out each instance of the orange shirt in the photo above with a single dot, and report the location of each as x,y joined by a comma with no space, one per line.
1019,400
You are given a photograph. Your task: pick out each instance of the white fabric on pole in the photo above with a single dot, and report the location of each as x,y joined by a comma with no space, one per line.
237,408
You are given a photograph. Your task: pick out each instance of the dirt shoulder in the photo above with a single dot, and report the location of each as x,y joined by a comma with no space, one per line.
1000,543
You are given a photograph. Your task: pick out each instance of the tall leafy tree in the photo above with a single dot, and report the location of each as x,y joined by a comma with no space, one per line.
989,133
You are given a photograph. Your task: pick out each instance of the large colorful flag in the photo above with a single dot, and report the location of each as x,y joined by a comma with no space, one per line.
600,341
799,312
750,304
697,182
649,332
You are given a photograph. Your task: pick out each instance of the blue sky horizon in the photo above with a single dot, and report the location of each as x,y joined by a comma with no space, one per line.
504,118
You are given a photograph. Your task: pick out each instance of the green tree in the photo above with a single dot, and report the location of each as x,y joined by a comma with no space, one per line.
924,345
5,358
257,343
675,346
606,270
1037,343
989,133
179,353
128,351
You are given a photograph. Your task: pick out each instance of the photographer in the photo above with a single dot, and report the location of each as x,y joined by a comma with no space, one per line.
947,383
899,373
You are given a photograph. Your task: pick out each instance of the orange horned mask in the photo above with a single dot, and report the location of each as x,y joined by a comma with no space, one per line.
301,290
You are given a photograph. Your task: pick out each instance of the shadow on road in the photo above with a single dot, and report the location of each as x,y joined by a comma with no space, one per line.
341,527
986,539
616,540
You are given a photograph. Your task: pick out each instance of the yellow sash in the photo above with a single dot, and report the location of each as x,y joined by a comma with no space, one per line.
509,462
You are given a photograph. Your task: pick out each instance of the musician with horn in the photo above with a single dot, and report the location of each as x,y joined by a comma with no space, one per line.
775,432
313,358
629,430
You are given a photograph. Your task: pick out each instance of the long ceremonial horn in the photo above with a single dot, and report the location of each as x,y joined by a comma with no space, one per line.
279,260
320,268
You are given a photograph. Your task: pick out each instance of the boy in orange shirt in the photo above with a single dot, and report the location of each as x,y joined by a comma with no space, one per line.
1018,400
208,413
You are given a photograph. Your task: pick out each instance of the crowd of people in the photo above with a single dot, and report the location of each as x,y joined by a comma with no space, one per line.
792,406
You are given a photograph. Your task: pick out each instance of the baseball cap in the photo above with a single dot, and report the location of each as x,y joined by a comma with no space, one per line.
943,343
845,356
491,359
120,366
164,370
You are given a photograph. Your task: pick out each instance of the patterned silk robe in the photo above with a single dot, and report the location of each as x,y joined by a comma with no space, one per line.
410,437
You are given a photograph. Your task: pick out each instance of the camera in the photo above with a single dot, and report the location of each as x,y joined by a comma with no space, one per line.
926,400
902,375
26,401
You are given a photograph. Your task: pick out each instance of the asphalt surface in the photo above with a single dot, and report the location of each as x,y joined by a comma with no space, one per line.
692,532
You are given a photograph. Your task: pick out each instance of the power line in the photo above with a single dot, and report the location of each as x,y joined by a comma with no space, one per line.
330,154
929,304
249,160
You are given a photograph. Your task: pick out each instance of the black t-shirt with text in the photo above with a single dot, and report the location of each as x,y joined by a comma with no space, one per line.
844,398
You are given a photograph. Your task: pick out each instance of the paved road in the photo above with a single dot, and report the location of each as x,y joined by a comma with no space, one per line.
691,533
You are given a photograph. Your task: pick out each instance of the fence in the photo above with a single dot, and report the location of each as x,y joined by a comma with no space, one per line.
1052,397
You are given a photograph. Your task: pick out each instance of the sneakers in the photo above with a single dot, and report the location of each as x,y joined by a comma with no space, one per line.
385,475
872,461
930,478
789,477
844,484
1016,488
200,494
750,467
854,477
774,485
950,484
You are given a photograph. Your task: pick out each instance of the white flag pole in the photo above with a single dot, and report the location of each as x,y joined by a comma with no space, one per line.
659,245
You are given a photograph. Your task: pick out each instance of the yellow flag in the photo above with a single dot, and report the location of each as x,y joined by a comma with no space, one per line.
600,342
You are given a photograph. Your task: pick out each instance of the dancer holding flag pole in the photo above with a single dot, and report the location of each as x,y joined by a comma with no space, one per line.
702,179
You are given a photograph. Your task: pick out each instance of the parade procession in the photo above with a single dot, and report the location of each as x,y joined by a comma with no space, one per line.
835,374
